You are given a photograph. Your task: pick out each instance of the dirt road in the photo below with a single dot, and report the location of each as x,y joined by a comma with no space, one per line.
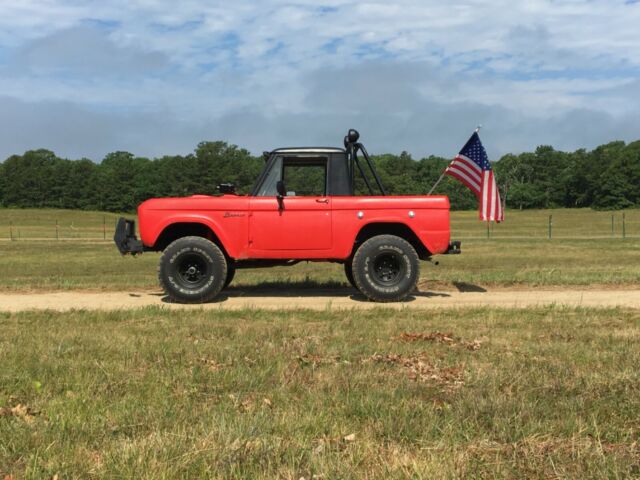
324,299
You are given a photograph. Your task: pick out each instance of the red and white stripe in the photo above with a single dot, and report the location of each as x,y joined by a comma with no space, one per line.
482,183
467,171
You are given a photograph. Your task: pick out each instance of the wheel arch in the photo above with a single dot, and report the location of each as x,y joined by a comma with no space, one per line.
180,229
391,228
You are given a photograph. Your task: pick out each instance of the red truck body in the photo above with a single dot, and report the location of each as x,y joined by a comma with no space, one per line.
314,228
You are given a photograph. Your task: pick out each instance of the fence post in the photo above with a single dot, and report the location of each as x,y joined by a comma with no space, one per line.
612,231
104,227
623,227
550,225
57,234
11,231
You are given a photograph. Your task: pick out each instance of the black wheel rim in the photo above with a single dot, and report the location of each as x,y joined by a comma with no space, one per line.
388,268
193,270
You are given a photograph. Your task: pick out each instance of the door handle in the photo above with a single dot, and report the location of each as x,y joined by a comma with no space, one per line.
322,200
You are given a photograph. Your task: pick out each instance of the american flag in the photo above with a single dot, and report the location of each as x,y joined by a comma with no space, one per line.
471,166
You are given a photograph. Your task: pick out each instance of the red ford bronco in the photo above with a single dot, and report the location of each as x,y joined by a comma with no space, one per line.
302,208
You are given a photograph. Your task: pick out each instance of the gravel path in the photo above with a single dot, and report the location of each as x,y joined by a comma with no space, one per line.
323,299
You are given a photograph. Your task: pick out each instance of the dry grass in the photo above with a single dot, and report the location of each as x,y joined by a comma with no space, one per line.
546,393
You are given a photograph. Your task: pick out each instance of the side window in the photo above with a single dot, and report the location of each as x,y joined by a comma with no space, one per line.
305,178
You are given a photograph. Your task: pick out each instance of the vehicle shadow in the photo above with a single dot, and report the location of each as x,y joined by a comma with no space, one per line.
289,290
359,297
465,287
165,299
297,290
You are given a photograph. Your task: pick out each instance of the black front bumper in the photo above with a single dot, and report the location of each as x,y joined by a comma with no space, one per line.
454,248
125,237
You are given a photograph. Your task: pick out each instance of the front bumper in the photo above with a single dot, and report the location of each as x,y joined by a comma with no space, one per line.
125,237
454,248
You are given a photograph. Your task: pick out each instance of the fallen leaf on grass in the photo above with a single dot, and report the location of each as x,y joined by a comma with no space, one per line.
212,365
246,405
437,337
440,337
315,360
20,411
473,346
420,369
335,443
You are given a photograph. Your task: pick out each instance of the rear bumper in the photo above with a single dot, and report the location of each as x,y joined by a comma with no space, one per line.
454,248
125,237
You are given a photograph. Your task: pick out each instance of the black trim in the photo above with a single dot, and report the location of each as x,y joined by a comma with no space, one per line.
125,237
265,263
454,248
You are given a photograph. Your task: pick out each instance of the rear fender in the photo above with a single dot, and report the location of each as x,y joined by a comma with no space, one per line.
399,229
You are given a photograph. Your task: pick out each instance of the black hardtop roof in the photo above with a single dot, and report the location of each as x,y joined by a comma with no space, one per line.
309,150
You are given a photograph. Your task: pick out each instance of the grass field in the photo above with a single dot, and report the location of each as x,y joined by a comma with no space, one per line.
547,393
517,254
33,266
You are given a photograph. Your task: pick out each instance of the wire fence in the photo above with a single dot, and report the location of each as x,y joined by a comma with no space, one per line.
61,225
550,224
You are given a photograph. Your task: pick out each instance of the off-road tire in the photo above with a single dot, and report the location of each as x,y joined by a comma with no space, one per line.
386,268
192,270
231,272
348,272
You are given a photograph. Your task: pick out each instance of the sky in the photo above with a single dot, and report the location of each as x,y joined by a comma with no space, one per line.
84,78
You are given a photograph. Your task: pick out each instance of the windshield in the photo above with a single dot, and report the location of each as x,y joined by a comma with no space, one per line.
268,188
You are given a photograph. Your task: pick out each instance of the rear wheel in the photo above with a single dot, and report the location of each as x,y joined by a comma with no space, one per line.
386,268
192,270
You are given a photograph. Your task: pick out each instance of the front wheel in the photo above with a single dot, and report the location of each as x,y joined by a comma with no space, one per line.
386,268
192,270
231,272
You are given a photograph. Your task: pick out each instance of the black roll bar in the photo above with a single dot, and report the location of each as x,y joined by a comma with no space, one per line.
352,146
360,147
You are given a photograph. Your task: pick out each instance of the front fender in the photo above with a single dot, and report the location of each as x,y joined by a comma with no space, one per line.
229,234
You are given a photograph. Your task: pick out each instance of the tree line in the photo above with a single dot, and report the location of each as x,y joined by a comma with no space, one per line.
607,177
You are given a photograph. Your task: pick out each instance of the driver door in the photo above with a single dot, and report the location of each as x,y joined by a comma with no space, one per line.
301,221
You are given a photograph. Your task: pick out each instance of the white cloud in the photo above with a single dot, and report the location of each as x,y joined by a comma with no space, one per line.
256,72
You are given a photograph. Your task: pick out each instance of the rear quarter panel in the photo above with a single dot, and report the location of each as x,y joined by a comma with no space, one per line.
430,222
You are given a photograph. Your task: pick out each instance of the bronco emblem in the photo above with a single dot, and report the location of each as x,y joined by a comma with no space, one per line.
233,214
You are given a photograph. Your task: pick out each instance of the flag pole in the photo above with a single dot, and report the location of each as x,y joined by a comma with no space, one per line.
445,170
436,184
